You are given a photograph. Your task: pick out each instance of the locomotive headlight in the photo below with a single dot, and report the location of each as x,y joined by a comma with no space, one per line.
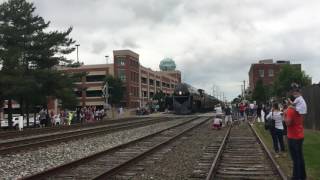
180,93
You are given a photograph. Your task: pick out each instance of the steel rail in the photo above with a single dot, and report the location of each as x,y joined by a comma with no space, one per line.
113,171
56,170
214,165
13,146
265,148
10,134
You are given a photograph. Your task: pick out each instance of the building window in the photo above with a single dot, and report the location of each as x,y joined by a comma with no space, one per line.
94,93
121,61
271,73
261,73
144,94
144,80
95,78
122,74
151,82
158,83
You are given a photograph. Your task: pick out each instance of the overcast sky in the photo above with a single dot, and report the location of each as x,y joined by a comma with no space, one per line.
213,42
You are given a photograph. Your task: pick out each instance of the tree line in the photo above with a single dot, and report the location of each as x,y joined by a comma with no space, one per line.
281,85
29,56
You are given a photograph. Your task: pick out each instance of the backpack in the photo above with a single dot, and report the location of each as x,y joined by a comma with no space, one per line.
270,123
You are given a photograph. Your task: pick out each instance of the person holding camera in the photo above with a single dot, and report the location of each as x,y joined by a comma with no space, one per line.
294,122
276,128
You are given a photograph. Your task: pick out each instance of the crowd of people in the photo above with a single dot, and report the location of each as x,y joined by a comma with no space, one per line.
68,117
281,118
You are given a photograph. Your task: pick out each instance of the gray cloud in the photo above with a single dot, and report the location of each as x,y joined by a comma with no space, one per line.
212,41
130,43
98,47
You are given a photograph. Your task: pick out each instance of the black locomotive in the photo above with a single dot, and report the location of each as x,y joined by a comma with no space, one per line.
187,100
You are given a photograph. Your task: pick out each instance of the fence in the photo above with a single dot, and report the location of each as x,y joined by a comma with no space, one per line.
311,95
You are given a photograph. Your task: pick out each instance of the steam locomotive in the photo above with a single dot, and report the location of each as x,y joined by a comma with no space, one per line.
187,100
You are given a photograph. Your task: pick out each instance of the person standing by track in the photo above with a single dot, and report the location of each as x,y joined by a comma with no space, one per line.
276,131
242,109
295,133
228,117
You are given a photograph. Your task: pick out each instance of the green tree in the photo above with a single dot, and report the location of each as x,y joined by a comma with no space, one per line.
261,93
160,97
116,90
288,75
28,54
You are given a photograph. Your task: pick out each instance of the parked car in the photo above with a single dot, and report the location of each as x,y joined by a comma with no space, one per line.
142,111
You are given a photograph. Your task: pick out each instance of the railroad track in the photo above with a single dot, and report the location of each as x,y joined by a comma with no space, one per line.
106,164
242,155
203,165
11,134
44,140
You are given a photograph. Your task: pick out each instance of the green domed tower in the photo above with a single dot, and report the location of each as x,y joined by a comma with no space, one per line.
167,64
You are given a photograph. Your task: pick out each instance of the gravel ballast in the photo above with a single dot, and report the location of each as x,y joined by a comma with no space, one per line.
15,166
179,162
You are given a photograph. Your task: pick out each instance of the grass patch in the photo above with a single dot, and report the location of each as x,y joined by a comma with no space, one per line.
311,147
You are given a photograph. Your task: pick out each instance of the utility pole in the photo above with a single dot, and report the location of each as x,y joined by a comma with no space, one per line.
105,94
77,45
107,59
244,89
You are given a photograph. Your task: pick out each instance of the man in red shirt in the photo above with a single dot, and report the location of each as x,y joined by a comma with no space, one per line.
294,122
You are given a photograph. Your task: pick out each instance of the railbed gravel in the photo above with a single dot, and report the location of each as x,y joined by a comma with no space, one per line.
16,166
180,161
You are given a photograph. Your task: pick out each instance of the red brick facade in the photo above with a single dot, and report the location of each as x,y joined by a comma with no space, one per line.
141,83
266,70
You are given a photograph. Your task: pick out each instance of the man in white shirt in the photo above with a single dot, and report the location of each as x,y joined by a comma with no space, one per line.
299,103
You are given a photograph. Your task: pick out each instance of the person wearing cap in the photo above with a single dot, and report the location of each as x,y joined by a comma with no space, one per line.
295,133
299,103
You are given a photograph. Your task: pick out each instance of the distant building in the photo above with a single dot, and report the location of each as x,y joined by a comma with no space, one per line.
140,83
89,89
267,70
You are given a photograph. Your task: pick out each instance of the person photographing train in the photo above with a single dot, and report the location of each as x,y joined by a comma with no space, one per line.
277,128
294,122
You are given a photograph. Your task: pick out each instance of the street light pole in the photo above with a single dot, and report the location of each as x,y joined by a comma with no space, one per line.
107,59
77,45
244,89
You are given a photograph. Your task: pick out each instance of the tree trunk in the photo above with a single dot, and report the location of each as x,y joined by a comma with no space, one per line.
10,113
112,109
1,111
35,118
21,106
27,113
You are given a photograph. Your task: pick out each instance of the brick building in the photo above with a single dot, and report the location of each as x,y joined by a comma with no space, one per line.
266,70
89,89
140,83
